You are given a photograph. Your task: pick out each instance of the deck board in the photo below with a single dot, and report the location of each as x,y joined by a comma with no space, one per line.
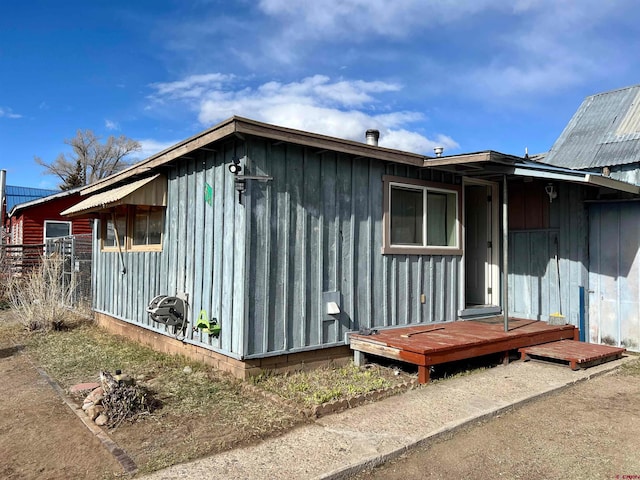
426,345
577,354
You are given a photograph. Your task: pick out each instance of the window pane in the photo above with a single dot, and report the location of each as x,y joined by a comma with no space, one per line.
406,216
110,234
140,228
148,225
56,229
436,219
441,219
156,226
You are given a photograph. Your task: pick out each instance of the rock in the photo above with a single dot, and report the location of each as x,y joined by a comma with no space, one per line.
101,420
84,387
94,411
87,405
95,396
187,369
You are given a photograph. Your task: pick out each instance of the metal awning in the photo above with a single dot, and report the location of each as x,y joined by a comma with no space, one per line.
147,191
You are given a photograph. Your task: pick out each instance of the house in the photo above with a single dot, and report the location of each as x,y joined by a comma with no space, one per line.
289,241
603,136
33,221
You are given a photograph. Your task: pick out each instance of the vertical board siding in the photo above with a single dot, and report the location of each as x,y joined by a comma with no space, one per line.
202,255
534,290
316,228
614,274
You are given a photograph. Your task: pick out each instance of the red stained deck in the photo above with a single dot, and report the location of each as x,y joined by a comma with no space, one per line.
427,345
578,354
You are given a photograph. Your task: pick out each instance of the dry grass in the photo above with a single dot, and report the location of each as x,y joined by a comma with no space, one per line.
40,298
199,411
331,383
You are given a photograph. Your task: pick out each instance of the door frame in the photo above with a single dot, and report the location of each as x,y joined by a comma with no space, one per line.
492,273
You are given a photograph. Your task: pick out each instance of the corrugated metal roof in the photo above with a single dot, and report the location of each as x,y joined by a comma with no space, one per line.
605,131
16,195
120,195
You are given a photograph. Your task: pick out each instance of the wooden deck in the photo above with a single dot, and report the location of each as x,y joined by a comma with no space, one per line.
576,354
427,345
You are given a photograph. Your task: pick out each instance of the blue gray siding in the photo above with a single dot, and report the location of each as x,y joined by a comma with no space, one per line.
315,235
534,290
614,274
202,255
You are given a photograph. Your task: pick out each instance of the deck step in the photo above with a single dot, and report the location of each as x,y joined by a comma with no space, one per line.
577,354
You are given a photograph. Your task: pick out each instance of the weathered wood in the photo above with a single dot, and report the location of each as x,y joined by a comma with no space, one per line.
577,354
411,334
457,341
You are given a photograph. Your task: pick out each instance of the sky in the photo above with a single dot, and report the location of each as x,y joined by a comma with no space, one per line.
467,75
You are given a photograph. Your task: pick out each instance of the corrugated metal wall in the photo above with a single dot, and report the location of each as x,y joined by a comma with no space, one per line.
614,274
202,255
316,236
534,290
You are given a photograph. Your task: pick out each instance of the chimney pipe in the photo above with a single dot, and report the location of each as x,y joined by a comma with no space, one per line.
372,137
438,151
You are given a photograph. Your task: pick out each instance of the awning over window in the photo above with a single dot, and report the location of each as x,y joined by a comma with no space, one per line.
148,191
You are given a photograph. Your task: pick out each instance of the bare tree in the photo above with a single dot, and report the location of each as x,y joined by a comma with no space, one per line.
90,159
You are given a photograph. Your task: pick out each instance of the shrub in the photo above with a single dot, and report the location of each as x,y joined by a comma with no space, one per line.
40,298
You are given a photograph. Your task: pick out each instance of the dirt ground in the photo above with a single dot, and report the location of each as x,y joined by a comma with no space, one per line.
588,431
40,437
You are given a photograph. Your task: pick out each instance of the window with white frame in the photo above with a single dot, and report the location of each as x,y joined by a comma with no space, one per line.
421,217
54,229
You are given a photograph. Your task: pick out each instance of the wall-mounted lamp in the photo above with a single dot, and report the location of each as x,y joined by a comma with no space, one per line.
235,166
551,191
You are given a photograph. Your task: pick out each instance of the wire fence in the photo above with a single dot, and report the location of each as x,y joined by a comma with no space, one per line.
73,253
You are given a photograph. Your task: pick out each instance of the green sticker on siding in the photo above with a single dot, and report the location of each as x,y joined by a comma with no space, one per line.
208,194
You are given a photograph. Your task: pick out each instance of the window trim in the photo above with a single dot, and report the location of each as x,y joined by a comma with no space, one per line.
44,229
129,218
387,248
149,247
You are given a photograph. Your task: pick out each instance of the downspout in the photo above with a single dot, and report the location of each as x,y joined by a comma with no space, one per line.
505,252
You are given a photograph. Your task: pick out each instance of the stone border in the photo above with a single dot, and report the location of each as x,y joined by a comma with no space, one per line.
125,461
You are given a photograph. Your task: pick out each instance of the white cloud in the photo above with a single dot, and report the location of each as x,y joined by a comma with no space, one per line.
111,125
8,113
343,108
151,147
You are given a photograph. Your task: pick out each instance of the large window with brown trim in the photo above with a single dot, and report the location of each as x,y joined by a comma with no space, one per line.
421,218
134,228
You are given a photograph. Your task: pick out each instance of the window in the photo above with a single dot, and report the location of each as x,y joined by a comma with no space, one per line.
421,217
147,226
109,231
138,227
56,229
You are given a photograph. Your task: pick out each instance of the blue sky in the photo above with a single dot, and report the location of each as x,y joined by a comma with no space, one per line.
468,75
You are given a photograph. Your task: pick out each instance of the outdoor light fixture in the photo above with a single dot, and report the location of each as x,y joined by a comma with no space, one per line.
235,166
551,191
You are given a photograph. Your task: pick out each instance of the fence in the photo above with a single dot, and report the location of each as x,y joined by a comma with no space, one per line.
74,254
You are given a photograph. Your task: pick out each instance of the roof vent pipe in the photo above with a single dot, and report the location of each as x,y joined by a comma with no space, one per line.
372,137
438,151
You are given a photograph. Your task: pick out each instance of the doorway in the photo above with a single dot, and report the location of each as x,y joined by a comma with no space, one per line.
481,248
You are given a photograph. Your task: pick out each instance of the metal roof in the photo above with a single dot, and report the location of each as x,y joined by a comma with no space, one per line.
605,131
124,194
17,195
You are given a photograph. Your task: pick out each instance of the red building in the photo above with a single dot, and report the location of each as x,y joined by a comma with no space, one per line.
32,222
